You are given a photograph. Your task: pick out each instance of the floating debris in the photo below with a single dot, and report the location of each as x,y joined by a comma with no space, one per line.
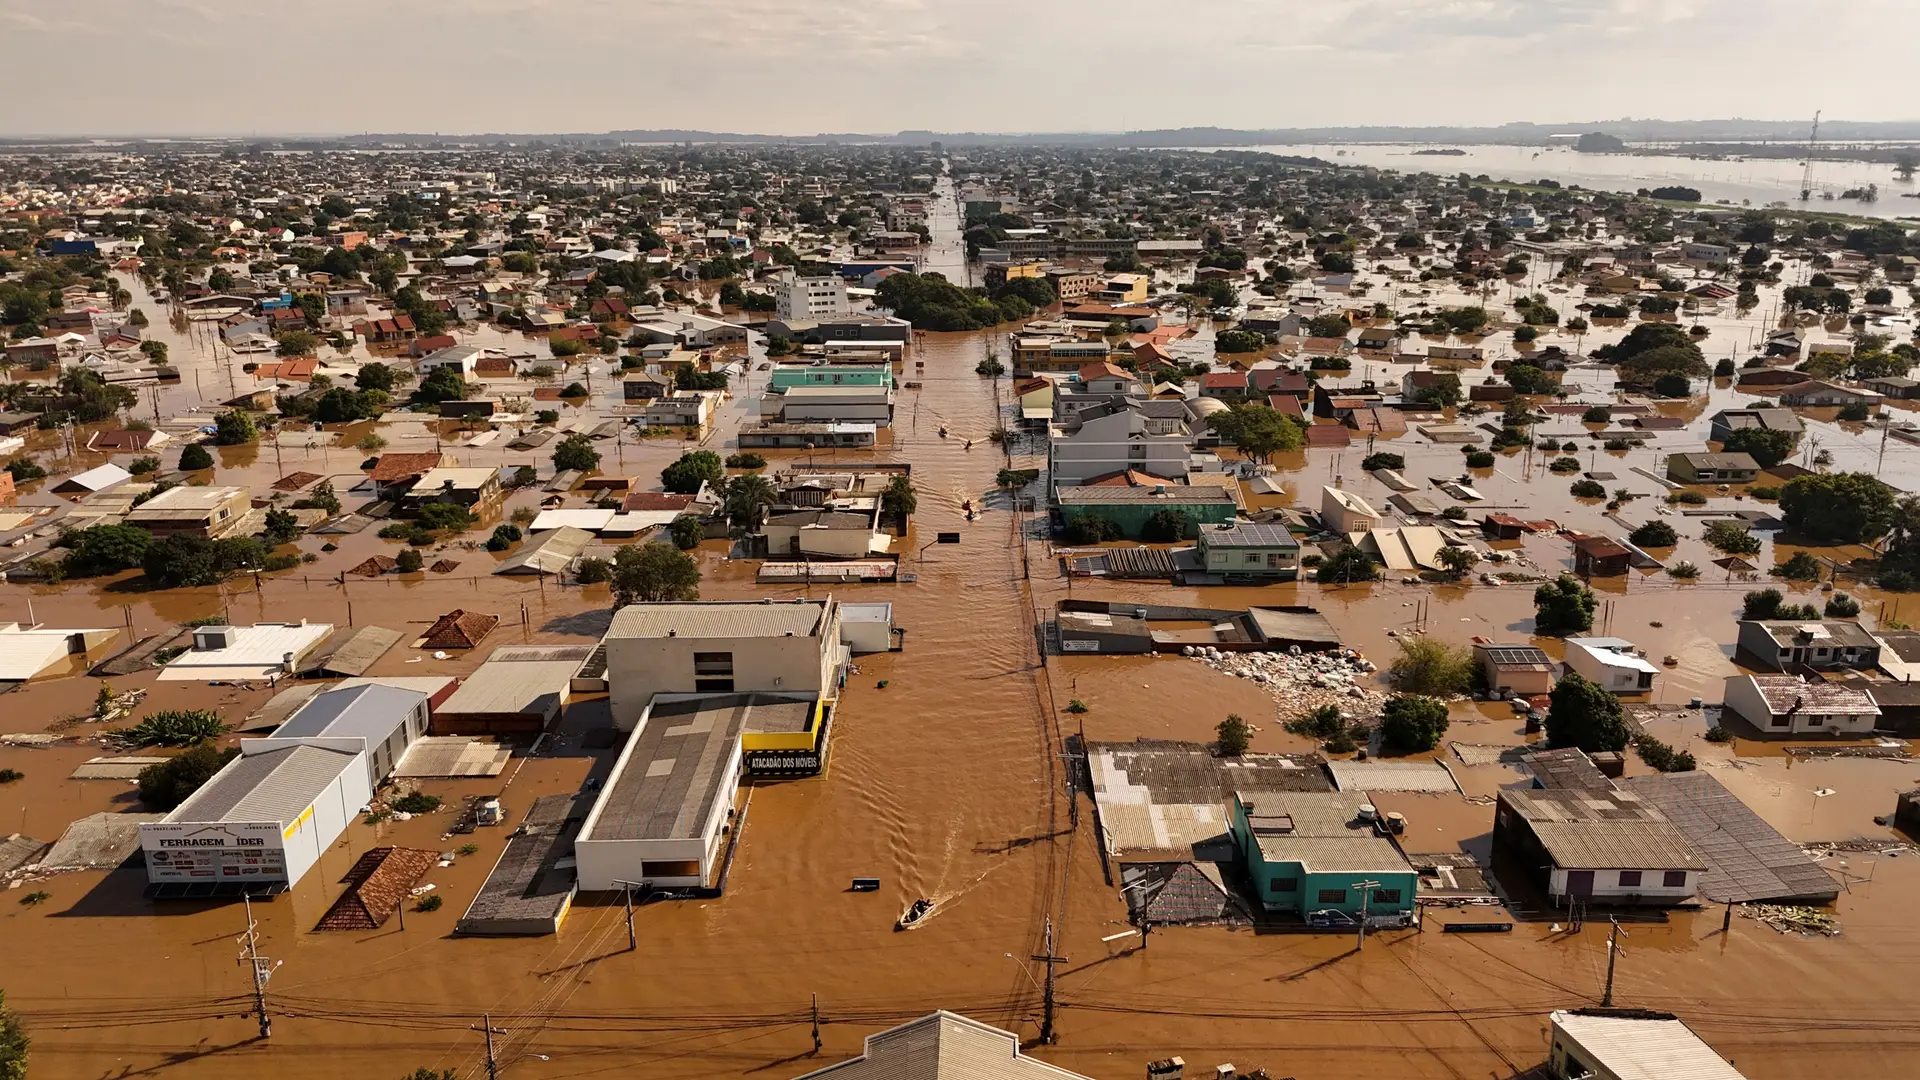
1789,919
1300,680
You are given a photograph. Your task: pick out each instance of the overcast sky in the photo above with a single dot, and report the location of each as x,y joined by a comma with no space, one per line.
806,66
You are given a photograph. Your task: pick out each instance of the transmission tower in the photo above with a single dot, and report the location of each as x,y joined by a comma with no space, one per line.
1806,176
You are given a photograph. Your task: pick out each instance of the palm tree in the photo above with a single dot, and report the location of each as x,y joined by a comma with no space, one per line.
746,497
1458,560
899,498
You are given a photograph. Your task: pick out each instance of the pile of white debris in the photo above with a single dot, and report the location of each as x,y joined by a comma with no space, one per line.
1301,680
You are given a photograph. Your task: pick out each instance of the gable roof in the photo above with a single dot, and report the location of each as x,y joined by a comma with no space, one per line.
376,887
459,629
392,467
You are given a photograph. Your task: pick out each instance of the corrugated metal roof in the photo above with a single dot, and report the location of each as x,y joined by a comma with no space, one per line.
521,686
1748,859
370,712
550,553
1633,1048
1604,830
275,786
719,619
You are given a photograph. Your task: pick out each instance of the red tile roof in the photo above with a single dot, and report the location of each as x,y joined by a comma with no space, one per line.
655,500
1329,435
459,629
392,467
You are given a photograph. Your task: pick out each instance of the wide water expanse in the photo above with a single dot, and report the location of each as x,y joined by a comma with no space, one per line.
1755,182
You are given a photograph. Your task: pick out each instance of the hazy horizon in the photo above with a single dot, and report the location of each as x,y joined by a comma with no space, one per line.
764,67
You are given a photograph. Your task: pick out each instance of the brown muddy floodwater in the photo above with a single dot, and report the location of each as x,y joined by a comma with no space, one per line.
943,784
946,783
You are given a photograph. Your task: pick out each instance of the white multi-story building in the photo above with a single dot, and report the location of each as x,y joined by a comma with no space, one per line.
811,298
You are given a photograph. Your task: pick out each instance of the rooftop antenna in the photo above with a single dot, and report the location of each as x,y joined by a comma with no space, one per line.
1806,176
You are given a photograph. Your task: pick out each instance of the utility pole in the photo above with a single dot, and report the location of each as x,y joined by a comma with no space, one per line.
1046,993
816,1023
1366,891
493,1069
1613,951
626,891
262,969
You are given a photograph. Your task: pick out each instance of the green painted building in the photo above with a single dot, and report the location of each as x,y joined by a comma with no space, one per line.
1132,507
1308,853
789,376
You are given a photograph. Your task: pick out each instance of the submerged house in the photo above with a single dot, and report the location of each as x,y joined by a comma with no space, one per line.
1314,854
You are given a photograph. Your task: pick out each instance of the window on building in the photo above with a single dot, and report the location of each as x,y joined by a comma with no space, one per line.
1629,879
1333,896
1253,560
1284,884
1676,879
713,663
713,686
1781,721
1386,896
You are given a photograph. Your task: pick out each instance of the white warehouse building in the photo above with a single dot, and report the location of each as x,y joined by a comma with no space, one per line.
264,819
261,822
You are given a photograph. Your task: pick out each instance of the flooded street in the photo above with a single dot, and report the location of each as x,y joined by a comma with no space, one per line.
945,780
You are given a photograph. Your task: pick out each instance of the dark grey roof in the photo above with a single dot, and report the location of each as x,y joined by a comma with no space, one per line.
371,712
1569,769
1747,859
1603,830
1831,633
675,768
1904,643
526,893
1516,655
1242,534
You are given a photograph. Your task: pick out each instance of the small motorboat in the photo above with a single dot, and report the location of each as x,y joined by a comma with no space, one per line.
943,431
916,911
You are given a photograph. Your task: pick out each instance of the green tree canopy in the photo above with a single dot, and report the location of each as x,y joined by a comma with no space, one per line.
899,499
105,549
1839,508
576,452
14,1043
1563,606
194,458
375,376
168,784
692,469
1258,431
1347,565
654,573
1428,665
1767,446
1585,715
441,384
234,428
1410,723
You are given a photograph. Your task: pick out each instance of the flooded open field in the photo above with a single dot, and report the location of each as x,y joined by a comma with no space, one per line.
945,782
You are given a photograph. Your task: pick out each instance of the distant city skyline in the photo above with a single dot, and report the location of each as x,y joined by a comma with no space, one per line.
778,67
